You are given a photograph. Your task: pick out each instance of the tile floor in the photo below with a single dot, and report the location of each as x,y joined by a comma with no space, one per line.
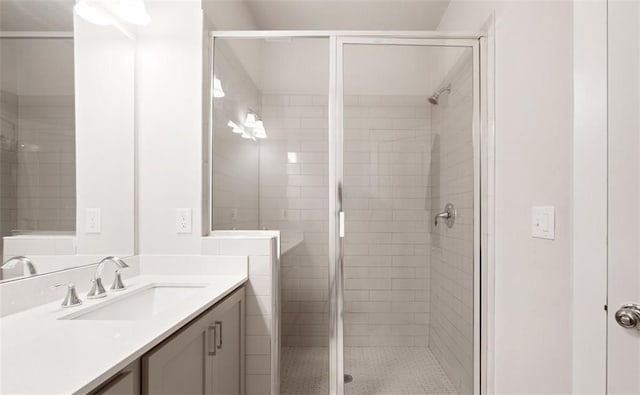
375,371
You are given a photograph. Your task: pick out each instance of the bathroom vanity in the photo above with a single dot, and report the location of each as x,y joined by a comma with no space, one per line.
162,334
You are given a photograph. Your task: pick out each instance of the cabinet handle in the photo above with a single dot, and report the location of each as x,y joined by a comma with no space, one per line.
212,340
219,333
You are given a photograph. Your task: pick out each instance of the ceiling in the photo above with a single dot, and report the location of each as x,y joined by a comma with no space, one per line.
327,15
36,15
56,15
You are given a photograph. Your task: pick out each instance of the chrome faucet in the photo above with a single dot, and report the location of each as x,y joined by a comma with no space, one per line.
97,289
71,298
13,261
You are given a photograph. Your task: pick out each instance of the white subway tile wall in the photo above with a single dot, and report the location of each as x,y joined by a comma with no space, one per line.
37,157
294,194
387,150
8,164
235,160
46,163
451,334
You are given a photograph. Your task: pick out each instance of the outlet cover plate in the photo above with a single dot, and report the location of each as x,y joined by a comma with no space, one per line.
183,220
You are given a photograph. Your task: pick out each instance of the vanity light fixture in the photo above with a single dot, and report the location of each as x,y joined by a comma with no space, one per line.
93,12
235,128
134,11
259,130
217,90
251,119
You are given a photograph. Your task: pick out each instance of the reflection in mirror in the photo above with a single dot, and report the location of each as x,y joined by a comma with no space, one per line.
37,148
66,139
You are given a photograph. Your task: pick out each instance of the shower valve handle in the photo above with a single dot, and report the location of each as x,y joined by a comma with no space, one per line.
448,215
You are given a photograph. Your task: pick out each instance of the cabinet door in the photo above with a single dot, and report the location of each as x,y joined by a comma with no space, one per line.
182,364
126,382
228,362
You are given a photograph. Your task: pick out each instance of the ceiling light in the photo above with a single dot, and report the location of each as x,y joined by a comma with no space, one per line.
217,88
251,120
134,11
91,12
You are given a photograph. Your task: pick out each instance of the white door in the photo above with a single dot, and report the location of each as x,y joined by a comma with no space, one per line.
623,361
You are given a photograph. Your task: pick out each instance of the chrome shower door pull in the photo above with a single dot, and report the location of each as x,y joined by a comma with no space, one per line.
628,316
448,215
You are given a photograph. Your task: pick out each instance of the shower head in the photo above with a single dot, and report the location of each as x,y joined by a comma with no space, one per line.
434,98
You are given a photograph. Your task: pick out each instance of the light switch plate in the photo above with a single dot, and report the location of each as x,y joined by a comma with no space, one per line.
92,220
543,222
183,220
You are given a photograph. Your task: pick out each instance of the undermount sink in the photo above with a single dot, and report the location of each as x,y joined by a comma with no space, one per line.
137,305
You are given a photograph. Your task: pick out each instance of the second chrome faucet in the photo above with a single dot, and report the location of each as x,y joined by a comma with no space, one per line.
97,289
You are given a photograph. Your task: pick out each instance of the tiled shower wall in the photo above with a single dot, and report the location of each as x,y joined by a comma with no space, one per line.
451,336
293,198
46,163
37,151
387,149
8,163
235,160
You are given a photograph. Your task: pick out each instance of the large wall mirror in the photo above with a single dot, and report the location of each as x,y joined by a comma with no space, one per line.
66,139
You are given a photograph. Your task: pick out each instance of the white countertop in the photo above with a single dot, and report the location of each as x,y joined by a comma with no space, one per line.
42,354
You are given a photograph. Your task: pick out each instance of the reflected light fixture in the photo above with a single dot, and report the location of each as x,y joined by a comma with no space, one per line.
235,128
90,11
251,119
134,11
292,157
259,130
217,88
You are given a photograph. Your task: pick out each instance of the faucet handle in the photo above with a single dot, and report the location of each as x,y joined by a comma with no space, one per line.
118,285
97,290
71,298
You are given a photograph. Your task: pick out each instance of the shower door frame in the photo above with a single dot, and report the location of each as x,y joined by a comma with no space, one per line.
482,52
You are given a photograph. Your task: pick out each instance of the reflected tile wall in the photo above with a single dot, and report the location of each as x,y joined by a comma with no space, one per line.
46,195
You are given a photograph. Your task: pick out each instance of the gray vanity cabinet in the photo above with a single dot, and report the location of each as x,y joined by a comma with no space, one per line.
125,382
205,357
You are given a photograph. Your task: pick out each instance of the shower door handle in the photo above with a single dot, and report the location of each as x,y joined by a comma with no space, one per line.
341,225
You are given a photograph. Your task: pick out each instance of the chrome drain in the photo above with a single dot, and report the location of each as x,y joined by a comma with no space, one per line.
348,378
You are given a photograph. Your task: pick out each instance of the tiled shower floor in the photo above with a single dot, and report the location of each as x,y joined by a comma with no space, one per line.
375,371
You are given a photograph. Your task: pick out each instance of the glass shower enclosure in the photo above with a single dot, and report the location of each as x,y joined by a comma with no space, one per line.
368,150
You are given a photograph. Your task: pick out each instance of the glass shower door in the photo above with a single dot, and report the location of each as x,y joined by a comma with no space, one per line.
406,171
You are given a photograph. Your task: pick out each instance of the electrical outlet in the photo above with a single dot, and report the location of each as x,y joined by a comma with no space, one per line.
92,220
183,220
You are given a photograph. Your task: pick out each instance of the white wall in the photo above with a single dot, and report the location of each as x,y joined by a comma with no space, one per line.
104,89
590,197
534,123
169,121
